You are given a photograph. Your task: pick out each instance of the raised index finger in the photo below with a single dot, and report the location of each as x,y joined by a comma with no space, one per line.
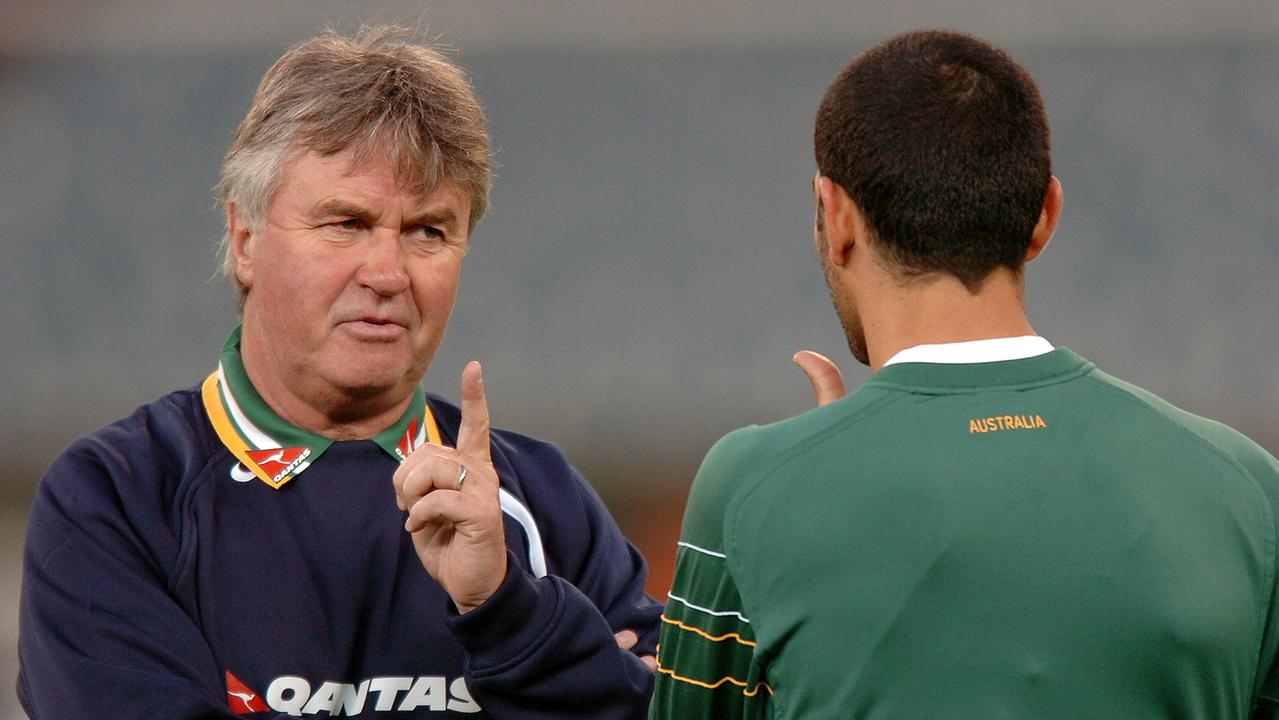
473,434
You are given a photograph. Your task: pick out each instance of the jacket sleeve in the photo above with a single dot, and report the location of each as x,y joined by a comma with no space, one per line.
100,633
544,647
1264,469
709,666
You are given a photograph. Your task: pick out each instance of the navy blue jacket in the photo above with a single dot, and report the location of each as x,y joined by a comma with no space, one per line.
158,586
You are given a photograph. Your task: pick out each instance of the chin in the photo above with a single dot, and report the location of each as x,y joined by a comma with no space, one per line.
860,352
366,380
364,390
368,370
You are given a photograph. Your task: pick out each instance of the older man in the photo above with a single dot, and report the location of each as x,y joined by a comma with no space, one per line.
308,533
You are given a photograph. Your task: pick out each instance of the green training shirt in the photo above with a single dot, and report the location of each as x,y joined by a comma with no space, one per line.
1020,539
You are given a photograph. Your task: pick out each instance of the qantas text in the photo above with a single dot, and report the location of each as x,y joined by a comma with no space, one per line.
293,695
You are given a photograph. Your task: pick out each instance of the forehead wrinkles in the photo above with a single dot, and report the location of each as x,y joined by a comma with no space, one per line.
415,161
345,175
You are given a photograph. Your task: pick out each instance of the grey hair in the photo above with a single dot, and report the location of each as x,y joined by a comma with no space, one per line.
369,93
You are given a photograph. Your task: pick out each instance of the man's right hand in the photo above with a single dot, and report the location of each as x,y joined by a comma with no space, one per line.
828,382
456,518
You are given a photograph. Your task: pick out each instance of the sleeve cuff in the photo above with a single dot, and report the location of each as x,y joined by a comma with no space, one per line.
509,624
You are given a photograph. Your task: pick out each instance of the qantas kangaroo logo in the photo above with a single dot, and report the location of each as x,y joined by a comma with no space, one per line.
278,457
240,699
279,463
245,698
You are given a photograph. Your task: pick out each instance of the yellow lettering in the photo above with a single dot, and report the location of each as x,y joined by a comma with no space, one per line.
1006,422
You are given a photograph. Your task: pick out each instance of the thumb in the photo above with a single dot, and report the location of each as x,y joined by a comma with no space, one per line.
828,383
473,433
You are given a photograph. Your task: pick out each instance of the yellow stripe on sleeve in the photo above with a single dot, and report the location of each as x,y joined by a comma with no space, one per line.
713,638
746,690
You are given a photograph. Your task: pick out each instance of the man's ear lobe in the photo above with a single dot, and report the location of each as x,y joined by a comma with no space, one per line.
240,241
842,221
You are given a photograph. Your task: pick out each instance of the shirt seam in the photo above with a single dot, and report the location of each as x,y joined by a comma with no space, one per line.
1251,481
769,468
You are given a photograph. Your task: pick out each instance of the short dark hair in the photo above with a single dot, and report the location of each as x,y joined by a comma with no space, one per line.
942,141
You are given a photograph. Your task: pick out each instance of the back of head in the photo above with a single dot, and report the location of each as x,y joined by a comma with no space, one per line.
371,93
942,141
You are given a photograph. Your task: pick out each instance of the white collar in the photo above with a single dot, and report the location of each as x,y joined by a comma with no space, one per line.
974,351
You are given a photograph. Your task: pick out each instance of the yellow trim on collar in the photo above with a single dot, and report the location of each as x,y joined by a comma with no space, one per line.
432,430
212,397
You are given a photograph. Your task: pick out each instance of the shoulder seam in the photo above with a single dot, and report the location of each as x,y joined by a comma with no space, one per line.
1180,426
771,465
1250,479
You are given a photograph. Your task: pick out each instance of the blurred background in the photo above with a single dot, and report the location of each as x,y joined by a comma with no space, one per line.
647,268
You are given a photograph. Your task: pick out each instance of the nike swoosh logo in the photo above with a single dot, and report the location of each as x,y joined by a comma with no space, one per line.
240,473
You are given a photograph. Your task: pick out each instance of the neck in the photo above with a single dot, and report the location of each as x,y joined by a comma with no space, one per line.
940,309
309,403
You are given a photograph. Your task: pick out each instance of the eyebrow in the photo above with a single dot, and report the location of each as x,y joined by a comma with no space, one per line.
441,217
347,208
344,208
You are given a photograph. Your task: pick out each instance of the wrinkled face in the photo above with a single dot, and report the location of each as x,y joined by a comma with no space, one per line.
351,280
845,306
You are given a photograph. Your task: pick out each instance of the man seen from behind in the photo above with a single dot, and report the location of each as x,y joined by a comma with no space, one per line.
990,526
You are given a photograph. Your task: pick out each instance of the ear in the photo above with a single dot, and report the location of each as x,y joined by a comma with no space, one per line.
841,219
240,237
1043,231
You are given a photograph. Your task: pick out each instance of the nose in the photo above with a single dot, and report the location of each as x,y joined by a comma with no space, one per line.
383,269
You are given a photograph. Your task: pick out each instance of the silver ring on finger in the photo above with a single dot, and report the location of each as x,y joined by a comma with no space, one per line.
461,477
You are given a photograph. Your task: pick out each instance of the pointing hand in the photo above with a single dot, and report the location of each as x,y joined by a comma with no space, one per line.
451,495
